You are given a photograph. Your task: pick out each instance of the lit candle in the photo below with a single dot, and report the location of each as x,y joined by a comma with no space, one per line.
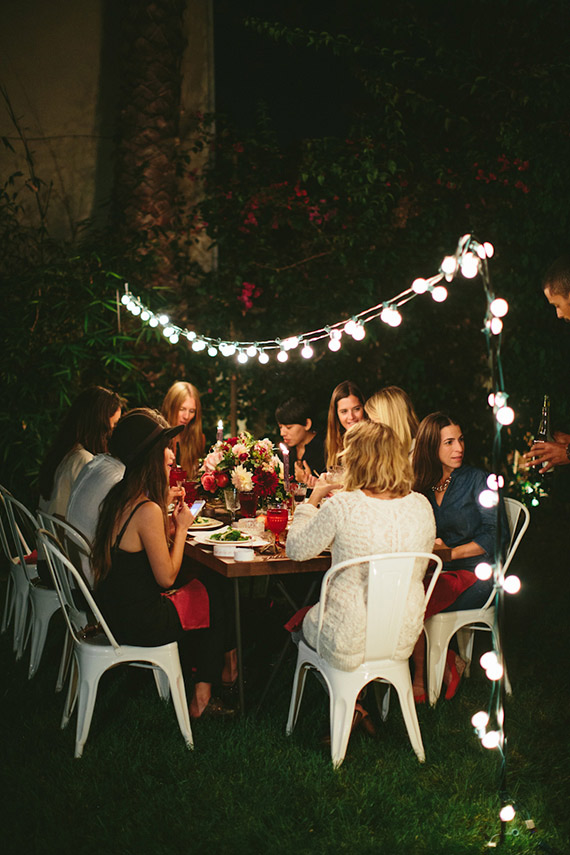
285,452
220,433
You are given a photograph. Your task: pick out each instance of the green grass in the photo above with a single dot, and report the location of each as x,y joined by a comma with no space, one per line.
246,787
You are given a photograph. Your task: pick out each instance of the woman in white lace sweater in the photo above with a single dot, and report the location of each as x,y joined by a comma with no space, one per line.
376,512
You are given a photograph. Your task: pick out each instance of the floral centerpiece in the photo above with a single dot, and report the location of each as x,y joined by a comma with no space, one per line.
244,463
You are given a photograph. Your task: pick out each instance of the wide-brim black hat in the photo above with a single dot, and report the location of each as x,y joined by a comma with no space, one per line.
135,435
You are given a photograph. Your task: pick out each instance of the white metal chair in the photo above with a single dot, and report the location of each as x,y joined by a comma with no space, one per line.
440,628
93,654
26,590
77,549
389,579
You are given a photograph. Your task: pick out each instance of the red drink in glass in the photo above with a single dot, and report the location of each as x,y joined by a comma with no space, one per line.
277,519
248,503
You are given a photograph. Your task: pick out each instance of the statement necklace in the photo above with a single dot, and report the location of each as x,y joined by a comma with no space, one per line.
439,488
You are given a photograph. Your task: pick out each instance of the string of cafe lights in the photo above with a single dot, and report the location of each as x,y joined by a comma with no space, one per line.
469,259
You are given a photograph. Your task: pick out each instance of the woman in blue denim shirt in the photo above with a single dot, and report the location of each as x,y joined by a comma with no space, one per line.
463,525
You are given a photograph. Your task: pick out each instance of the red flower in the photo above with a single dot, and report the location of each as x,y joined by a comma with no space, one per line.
222,479
265,482
209,482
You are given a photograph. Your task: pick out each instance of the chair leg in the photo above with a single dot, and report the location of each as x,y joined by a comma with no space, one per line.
65,661
39,633
411,721
8,605
21,627
341,715
436,652
162,683
382,697
178,694
465,638
296,696
71,693
86,703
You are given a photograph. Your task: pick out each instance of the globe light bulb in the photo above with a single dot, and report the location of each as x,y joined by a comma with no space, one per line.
131,304
495,672
420,286
163,319
145,315
499,307
449,265
198,345
488,659
263,358
336,334
251,350
501,399
190,335
489,249
307,351
507,813
439,293
512,584
481,252
230,349
491,400
505,416
282,356
212,351
488,498
174,338
349,327
136,310
359,332
483,571
491,739
334,344
494,482
153,322
469,265
496,326
291,343
480,720
168,331
242,357
125,299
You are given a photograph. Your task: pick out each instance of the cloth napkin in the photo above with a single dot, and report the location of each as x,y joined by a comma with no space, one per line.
192,604
447,588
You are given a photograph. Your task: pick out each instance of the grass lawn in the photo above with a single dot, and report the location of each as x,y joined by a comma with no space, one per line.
246,787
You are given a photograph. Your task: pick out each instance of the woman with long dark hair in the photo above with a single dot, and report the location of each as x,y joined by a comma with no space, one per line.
346,408
463,525
85,432
182,406
135,561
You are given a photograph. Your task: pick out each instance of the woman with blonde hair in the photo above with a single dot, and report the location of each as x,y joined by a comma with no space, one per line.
181,406
346,408
392,406
376,512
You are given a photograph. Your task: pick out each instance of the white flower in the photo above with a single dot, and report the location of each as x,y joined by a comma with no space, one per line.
211,461
239,448
277,465
242,479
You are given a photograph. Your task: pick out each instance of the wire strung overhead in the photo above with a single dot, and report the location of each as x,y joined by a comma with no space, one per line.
470,258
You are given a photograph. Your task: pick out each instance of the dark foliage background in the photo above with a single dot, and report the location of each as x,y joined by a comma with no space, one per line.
353,145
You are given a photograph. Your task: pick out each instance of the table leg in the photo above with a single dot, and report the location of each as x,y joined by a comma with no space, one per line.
239,647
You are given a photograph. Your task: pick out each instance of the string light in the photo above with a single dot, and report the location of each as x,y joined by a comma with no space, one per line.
470,259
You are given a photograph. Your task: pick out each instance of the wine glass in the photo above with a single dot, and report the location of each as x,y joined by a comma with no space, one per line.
299,494
231,498
277,518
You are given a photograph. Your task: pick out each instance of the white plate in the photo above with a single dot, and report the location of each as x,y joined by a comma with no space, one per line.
207,526
204,539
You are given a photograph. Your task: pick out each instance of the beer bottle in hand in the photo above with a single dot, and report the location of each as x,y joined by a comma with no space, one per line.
543,433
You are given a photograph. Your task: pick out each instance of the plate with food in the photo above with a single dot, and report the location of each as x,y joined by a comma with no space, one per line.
205,524
229,535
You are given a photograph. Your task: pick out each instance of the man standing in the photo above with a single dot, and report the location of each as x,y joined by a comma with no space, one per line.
556,285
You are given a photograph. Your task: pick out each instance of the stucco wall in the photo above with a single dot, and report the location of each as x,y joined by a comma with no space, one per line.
57,64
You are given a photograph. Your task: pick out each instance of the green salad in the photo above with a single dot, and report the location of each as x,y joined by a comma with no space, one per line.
232,534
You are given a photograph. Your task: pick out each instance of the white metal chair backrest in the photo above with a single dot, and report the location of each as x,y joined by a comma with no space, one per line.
21,522
516,512
63,573
74,544
389,577
4,523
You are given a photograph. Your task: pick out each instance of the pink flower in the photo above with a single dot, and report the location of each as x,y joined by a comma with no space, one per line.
222,479
208,482
211,460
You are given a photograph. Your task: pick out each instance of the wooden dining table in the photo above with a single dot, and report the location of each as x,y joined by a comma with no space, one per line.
262,564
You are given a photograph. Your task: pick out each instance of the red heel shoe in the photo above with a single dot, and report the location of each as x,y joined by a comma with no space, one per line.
456,674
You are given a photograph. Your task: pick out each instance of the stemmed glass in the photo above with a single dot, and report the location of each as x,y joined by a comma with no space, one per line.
231,498
277,518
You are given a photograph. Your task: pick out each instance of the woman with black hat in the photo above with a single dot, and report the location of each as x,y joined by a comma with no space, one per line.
135,562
